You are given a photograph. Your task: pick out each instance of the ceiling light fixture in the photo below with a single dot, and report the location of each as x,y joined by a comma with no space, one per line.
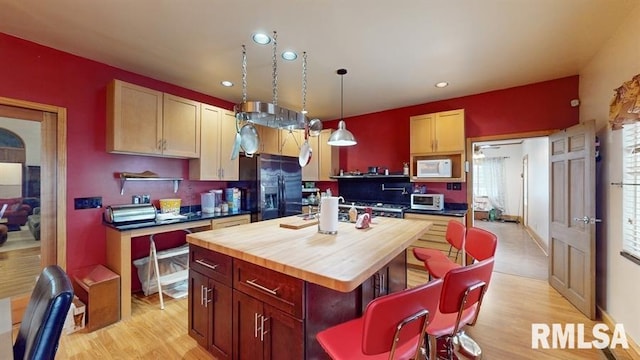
342,136
226,83
441,84
289,55
261,38
269,114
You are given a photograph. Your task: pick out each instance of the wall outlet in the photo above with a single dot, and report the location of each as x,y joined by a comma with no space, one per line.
457,186
88,202
449,186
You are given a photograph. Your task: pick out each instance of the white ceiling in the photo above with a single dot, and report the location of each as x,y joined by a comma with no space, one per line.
394,51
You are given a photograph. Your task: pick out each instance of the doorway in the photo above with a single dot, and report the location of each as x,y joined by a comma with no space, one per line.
502,171
53,184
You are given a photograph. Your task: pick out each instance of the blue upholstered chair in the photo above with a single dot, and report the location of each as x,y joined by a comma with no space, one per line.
45,315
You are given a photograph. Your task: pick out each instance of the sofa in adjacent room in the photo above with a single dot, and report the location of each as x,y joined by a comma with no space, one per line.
34,223
16,213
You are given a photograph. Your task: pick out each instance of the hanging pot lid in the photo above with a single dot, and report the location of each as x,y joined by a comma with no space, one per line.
315,127
249,138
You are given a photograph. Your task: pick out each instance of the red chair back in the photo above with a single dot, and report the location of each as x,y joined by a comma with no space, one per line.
464,287
455,234
480,244
383,315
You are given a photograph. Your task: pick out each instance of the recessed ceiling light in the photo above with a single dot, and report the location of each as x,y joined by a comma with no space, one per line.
226,83
442,84
261,38
289,55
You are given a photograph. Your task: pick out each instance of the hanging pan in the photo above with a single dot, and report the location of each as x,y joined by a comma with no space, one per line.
305,150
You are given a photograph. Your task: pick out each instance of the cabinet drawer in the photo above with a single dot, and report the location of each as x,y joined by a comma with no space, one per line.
230,221
210,263
279,290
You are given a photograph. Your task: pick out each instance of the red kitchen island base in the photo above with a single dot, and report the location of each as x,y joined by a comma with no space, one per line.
247,301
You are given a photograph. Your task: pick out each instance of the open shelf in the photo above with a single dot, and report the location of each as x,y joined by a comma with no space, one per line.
124,179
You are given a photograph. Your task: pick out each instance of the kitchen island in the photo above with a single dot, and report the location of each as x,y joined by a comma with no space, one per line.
262,291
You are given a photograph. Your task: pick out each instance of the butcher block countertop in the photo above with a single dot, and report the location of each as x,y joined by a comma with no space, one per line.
341,262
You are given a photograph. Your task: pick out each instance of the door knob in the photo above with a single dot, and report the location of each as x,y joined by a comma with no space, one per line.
587,220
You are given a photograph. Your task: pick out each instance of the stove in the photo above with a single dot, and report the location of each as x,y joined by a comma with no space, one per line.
378,209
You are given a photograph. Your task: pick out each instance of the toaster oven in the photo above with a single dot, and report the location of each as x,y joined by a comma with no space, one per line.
427,201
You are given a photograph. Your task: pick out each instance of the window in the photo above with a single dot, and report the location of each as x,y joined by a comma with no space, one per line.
631,191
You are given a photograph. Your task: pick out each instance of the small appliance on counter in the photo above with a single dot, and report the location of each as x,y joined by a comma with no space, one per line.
129,212
433,202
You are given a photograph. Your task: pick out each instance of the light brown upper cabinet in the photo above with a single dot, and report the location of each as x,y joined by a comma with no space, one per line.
290,142
218,132
324,159
438,136
269,140
143,121
437,132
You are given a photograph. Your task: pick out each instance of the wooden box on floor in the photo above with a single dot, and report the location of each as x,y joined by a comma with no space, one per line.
99,288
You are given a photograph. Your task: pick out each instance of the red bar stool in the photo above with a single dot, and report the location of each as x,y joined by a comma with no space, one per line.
454,236
479,244
392,326
460,300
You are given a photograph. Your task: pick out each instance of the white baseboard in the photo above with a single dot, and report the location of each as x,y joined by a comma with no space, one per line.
634,349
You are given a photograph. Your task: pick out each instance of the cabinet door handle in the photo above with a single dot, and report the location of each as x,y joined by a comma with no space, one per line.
160,144
201,295
255,284
383,286
255,324
203,263
262,331
208,299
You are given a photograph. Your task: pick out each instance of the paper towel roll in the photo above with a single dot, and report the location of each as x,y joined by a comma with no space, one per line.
328,220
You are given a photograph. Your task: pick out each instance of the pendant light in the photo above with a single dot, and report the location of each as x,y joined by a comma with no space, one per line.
342,136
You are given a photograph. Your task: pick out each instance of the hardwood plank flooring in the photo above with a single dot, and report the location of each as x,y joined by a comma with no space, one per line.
18,271
503,329
517,252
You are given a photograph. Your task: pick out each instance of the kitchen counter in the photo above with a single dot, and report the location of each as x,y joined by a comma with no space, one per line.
445,212
341,262
119,243
135,225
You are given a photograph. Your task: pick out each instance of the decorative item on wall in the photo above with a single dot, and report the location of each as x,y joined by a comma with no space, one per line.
625,105
342,136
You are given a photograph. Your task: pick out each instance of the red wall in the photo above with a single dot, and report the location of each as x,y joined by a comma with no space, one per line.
44,75
383,137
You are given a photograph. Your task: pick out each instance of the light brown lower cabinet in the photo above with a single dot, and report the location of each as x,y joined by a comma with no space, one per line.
238,310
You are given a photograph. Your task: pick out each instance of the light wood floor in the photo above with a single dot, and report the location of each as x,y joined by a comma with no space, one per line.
18,271
503,329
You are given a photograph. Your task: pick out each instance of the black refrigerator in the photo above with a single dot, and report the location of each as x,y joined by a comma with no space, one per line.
273,186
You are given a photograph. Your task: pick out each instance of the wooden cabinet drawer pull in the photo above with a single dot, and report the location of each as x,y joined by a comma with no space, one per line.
255,284
203,263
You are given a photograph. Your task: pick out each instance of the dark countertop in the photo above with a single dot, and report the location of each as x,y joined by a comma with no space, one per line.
445,212
151,223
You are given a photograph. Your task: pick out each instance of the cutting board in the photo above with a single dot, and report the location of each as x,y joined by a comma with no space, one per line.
298,223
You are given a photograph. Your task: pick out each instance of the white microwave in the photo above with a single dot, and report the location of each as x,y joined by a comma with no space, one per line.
427,201
440,168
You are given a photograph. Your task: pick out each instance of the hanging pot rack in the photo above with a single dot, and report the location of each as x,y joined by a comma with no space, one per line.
271,114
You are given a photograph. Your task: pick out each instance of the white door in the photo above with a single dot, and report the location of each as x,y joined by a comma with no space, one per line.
572,215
